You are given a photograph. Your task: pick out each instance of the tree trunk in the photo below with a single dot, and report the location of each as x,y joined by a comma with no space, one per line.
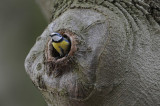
114,58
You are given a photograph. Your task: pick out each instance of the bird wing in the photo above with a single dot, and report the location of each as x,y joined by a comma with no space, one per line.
62,51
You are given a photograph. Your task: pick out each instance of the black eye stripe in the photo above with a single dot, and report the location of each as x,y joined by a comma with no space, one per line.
55,35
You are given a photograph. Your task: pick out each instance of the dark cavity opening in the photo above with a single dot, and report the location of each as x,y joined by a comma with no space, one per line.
55,54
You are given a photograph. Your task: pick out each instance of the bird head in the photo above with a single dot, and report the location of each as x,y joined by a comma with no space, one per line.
56,37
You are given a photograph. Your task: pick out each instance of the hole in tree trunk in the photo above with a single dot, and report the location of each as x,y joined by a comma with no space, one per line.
52,53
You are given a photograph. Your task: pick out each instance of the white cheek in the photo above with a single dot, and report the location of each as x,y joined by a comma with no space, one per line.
56,38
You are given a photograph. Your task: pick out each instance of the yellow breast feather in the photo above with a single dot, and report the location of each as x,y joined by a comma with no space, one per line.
61,47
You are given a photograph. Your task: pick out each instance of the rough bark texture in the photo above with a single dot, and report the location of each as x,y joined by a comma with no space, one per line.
117,62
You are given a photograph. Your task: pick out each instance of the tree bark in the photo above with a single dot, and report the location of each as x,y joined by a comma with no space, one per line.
114,58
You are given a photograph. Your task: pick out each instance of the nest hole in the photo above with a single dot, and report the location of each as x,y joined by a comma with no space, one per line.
52,53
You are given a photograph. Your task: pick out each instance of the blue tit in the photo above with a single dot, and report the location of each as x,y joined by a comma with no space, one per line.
61,44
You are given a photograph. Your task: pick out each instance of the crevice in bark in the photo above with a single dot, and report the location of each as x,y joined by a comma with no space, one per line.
56,8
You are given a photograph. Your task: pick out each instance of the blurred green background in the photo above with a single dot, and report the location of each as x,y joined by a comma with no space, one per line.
21,22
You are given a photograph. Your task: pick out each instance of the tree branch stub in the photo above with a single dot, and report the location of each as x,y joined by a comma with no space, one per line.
114,57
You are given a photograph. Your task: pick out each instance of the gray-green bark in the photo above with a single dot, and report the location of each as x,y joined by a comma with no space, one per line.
117,62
